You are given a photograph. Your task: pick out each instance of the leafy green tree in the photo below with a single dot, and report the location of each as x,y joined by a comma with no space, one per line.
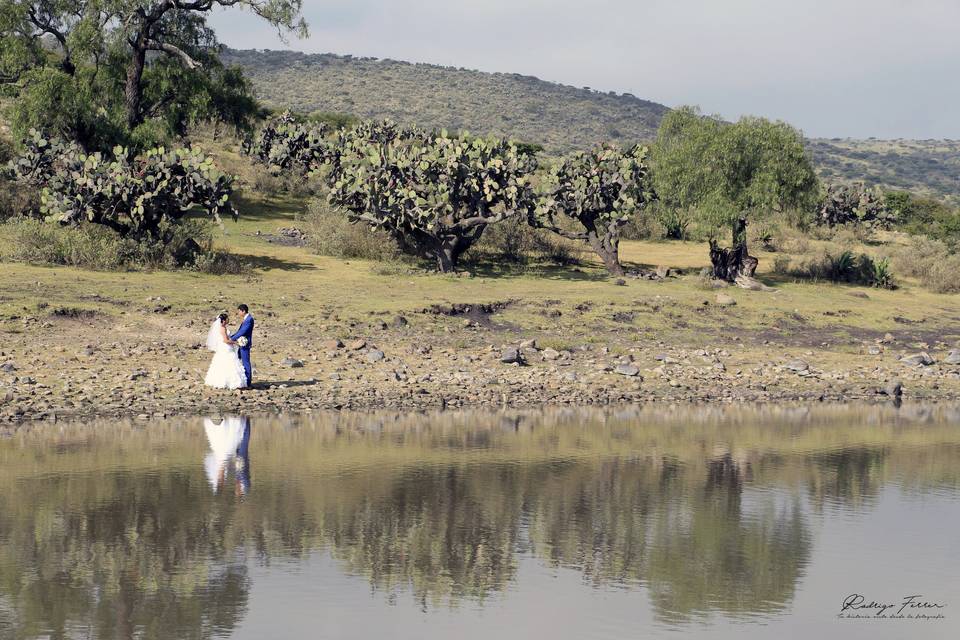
729,174
599,192
144,68
434,195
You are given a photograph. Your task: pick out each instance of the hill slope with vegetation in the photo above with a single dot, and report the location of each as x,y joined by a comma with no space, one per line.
561,118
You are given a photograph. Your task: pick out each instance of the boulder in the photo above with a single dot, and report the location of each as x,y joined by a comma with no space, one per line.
356,345
293,363
953,358
374,355
511,355
797,366
550,354
725,300
629,370
921,359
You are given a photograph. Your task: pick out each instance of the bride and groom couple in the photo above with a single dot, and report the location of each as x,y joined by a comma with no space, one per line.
230,367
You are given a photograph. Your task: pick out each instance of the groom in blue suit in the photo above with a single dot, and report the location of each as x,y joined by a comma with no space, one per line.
245,331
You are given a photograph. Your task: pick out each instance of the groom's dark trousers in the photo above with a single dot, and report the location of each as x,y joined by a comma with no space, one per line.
244,353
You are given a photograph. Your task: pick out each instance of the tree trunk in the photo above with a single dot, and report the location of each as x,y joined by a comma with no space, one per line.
607,247
736,261
133,91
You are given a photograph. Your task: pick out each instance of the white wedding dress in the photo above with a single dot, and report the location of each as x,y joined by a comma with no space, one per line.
224,438
226,370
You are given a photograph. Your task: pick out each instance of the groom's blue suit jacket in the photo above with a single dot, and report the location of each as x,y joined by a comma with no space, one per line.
245,331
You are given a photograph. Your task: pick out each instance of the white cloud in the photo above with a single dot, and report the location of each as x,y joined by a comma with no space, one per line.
885,68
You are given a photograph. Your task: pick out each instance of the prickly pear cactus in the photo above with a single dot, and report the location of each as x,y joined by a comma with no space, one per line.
846,204
132,195
596,193
434,194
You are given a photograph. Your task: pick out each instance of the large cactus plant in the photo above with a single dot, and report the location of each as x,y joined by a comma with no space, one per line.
132,195
596,193
435,194
844,204
288,145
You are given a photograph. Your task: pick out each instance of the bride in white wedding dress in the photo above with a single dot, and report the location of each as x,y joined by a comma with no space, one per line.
226,370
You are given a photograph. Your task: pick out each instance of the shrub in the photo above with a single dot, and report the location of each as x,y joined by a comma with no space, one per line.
99,248
932,262
840,266
330,233
513,240
88,246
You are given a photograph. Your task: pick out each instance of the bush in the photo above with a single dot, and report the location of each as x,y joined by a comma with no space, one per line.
91,246
513,240
330,233
840,266
932,262
87,246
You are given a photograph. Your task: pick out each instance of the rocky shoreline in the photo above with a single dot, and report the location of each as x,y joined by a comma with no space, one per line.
90,367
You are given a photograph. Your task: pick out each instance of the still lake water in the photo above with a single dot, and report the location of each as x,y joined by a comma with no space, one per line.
655,522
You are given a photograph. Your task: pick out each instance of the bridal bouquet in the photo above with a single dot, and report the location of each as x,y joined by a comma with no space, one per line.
242,341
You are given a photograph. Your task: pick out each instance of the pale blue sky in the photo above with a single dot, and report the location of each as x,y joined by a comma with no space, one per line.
859,68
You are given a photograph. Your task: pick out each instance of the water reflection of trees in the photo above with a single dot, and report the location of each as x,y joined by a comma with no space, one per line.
152,552
123,558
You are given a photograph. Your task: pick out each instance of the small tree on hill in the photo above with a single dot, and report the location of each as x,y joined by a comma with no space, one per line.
729,174
600,192
434,195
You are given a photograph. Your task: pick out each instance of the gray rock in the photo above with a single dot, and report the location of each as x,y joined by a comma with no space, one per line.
374,355
334,376
511,355
894,389
528,344
293,363
725,300
953,357
550,354
797,366
8,367
922,359
663,272
630,370
400,321
570,376
874,350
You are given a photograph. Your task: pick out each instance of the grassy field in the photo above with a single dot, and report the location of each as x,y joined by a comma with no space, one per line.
299,286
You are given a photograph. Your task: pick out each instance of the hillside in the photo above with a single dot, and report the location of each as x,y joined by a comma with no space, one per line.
930,167
559,117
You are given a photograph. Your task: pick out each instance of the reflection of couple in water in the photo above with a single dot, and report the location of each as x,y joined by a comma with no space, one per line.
229,440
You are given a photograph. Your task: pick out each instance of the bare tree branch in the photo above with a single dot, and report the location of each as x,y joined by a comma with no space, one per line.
172,50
